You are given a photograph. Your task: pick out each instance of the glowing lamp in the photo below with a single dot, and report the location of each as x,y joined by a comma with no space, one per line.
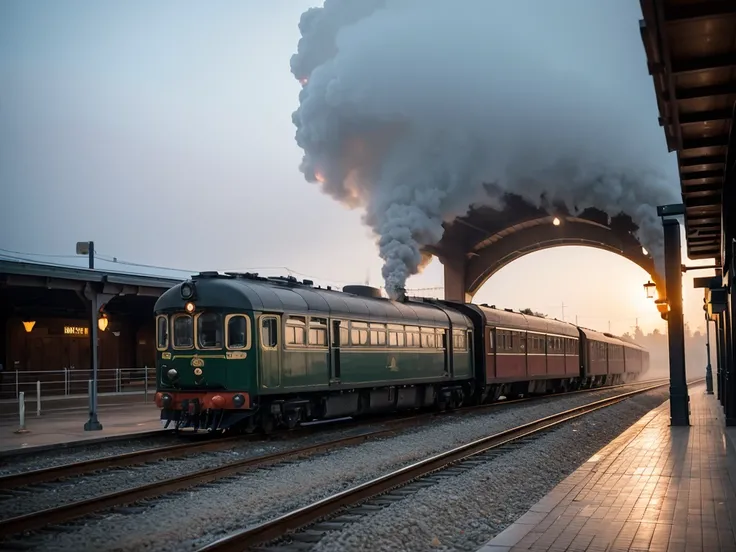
189,307
649,287
644,250
29,325
556,221
102,322
663,307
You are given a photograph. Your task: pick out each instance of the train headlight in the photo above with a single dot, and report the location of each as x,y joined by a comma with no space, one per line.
238,400
187,290
172,374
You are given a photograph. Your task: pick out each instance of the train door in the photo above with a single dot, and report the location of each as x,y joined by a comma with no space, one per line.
335,351
269,330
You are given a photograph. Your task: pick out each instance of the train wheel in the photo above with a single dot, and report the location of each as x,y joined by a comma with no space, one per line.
293,418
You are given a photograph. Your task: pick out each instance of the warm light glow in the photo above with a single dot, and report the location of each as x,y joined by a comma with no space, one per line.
319,176
29,325
102,322
556,221
644,250
303,81
189,307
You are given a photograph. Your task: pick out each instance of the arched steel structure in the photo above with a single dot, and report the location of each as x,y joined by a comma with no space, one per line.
487,239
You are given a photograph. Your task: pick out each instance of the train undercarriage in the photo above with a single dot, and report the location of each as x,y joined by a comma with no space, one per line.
218,411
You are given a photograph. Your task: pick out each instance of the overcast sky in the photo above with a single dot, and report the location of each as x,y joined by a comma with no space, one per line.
163,131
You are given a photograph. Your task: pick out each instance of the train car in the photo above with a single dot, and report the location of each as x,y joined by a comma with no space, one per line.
609,360
517,354
242,350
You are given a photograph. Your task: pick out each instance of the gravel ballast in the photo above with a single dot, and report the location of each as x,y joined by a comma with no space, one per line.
195,517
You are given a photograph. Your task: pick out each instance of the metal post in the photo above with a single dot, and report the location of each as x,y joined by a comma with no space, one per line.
22,413
708,368
66,381
118,382
38,398
145,384
679,398
17,384
719,371
730,388
93,423
92,256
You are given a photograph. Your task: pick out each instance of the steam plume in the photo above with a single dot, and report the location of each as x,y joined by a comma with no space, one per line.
409,106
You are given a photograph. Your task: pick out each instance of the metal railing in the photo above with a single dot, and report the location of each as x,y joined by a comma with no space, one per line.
57,384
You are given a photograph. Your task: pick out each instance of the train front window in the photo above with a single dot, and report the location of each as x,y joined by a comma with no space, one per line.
237,332
209,330
183,332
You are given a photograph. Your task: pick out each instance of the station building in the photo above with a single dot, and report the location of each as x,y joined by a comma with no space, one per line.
45,317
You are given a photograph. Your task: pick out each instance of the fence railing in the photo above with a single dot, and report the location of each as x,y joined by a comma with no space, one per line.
68,382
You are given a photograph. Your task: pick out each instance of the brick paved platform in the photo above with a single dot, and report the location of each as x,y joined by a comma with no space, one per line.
654,488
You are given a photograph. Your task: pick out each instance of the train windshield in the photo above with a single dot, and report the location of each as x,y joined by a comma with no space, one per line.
209,330
183,332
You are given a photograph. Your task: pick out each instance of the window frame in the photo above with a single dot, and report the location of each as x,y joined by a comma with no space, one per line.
165,318
196,332
290,321
323,325
275,318
176,317
247,345
360,327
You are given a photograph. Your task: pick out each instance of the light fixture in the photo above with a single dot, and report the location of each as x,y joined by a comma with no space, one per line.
649,287
29,325
187,290
644,250
556,221
189,307
116,334
102,322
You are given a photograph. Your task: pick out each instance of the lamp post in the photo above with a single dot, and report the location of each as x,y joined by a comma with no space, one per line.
708,369
87,248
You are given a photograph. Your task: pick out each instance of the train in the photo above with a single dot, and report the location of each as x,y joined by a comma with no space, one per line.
243,352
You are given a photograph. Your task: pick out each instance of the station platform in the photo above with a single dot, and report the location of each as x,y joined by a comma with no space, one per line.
67,428
654,488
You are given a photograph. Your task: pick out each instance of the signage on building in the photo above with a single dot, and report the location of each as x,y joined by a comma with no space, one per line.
76,330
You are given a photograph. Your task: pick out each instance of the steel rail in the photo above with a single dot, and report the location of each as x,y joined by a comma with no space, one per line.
301,517
55,473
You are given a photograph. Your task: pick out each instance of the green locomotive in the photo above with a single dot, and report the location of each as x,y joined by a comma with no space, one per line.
242,351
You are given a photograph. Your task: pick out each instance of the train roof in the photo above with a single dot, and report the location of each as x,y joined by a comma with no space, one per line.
607,338
516,320
250,292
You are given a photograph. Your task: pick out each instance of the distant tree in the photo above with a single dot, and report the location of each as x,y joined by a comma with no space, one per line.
530,312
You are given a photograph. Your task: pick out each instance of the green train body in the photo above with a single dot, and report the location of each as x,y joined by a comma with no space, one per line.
237,350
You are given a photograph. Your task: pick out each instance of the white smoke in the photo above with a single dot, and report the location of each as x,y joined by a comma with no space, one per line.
409,106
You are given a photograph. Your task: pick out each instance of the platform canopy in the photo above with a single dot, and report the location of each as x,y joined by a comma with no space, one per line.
691,54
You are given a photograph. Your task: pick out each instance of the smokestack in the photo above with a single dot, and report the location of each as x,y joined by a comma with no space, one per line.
408,122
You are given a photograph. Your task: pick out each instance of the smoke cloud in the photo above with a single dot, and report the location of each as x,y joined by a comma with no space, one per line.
409,106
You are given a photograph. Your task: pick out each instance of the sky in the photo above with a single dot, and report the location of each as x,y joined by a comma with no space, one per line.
163,131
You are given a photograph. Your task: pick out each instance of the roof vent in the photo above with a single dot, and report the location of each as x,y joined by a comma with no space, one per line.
362,291
509,310
283,279
308,282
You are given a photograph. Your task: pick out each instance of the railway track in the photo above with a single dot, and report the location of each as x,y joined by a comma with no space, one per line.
54,473
309,523
71,511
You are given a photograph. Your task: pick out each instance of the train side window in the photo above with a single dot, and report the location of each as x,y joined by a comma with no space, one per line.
237,335
269,335
162,332
441,338
428,338
412,336
491,341
358,333
183,331
318,332
378,334
296,331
